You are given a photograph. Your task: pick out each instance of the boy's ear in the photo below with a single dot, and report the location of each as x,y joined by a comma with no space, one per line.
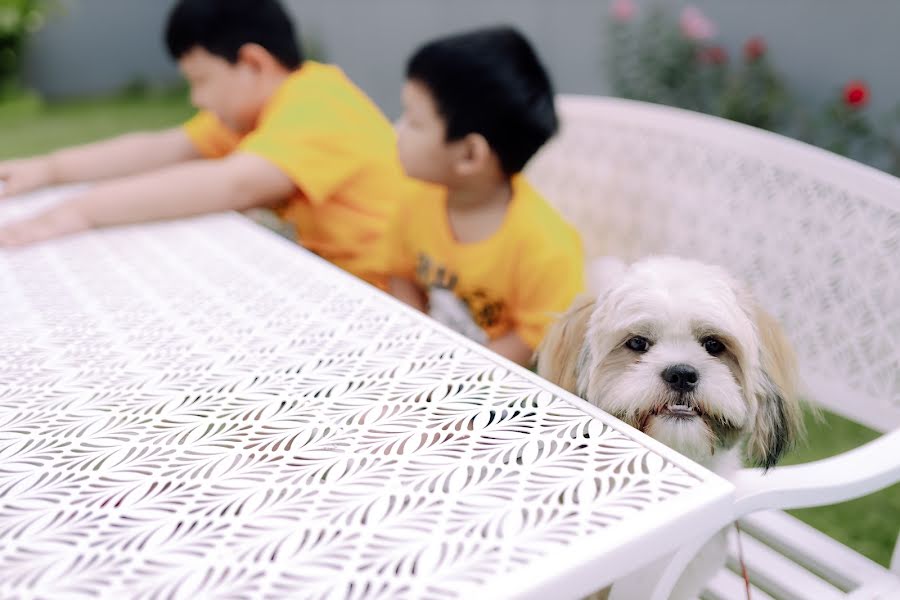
256,57
474,154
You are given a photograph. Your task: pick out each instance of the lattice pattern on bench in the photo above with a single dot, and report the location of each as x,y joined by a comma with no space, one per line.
818,242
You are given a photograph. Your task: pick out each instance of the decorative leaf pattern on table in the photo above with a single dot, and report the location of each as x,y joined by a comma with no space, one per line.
197,409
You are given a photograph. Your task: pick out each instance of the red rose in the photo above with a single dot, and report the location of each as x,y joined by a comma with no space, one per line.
713,55
856,94
754,49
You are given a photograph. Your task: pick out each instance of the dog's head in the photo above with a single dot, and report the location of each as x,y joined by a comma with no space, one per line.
680,350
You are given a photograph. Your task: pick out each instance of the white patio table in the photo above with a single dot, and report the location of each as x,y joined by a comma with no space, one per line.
201,409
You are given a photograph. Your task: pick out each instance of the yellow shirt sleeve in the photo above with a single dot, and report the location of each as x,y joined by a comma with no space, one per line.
307,140
549,282
211,138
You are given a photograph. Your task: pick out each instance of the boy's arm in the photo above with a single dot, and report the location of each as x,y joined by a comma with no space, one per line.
124,155
408,292
513,347
238,182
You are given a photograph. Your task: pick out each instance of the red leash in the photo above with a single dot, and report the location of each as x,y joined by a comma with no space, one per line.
741,560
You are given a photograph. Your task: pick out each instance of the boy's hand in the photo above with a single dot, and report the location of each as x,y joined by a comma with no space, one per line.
408,292
514,348
20,176
53,223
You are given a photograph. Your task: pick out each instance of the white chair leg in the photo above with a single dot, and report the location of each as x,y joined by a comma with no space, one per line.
642,583
675,577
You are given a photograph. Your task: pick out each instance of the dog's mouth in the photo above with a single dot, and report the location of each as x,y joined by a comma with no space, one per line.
680,411
676,409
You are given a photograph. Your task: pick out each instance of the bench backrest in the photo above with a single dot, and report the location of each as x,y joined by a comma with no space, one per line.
815,235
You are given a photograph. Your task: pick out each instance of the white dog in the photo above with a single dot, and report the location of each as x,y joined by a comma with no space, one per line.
679,350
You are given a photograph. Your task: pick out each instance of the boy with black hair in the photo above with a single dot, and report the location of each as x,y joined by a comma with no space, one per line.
480,249
291,134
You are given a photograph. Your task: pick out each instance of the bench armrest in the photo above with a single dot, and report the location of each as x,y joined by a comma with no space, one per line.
850,475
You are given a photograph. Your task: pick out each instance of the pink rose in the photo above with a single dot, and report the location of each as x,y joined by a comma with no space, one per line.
695,25
622,11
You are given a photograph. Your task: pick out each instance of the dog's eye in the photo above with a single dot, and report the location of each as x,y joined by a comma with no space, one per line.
713,346
638,344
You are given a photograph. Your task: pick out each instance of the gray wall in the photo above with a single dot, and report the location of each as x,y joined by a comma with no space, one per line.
98,46
101,45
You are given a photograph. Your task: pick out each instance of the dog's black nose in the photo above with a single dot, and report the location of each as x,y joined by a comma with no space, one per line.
681,378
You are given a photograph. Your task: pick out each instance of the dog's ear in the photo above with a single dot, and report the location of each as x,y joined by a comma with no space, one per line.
779,418
558,353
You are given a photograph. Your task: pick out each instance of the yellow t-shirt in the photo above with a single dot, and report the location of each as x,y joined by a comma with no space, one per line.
338,149
519,279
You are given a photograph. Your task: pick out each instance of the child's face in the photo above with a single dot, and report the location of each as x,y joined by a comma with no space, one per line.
227,90
421,137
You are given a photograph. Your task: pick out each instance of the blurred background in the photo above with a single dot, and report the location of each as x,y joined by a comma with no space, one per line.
99,46
819,70
823,71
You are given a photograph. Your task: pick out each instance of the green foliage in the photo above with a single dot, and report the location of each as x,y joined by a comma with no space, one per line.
869,524
652,59
18,19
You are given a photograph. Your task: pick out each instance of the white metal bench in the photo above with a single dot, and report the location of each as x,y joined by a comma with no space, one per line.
817,237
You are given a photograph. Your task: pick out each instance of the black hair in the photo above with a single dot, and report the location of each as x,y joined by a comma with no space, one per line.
222,27
491,82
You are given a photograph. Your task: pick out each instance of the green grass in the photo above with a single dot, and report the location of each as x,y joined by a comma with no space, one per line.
29,127
870,525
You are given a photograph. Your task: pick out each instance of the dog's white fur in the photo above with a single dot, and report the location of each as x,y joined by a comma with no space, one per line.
743,397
